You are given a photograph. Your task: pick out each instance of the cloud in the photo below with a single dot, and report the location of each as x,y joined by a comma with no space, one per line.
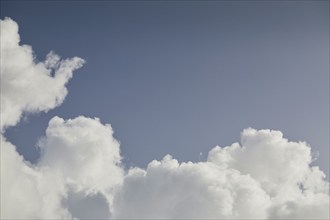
170,190
78,157
27,190
84,151
28,85
265,176
85,154
79,173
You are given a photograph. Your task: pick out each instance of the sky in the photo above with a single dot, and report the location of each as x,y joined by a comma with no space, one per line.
178,81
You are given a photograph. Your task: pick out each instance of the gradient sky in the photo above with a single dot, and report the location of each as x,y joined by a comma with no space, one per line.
181,77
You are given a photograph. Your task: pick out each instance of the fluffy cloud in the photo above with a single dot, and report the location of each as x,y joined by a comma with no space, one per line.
83,150
265,176
78,156
27,85
84,153
21,189
27,190
79,173
170,190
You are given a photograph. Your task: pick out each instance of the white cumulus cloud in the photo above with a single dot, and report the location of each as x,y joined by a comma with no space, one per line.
29,191
84,151
28,85
265,176
80,175
170,190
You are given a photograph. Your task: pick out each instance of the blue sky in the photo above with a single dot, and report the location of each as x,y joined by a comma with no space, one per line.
218,110
182,77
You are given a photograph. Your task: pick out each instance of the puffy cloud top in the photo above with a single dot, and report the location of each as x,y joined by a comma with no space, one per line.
84,151
171,190
265,176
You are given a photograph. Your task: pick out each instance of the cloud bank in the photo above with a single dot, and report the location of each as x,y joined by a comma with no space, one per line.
80,175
